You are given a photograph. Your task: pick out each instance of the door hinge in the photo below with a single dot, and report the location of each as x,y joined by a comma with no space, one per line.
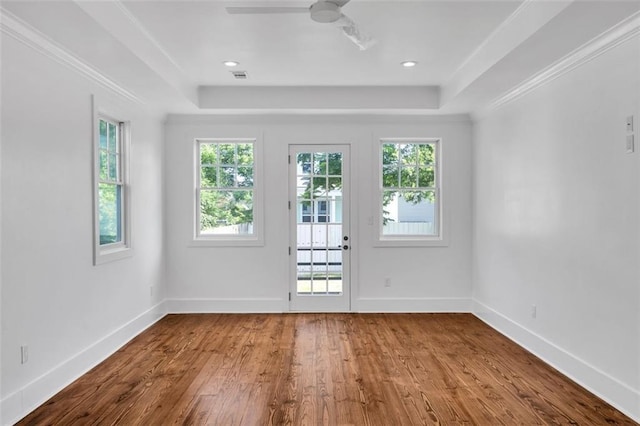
289,250
289,159
289,205
289,296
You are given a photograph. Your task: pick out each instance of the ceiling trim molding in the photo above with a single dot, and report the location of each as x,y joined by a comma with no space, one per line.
319,97
609,39
525,21
263,118
493,35
121,23
29,36
132,18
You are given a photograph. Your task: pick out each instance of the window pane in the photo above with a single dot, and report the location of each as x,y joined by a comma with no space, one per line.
104,165
208,154
226,212
322,207
320,163
306,213
409,213
113,167
208,178
409,154
390,176
319,186
245,154
389,153
113,141
335,183
245,176
109,213
227,153
227,177
335,164
427,154
103,134
304,163
408,177
426,177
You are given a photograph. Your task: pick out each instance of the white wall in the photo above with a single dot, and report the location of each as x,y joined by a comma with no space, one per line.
255,278
556,202
70,313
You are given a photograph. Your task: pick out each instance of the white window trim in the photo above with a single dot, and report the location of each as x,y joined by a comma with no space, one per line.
440,240
257,239
108,253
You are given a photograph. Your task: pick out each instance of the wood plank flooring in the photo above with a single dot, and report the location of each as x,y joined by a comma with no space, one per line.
323,369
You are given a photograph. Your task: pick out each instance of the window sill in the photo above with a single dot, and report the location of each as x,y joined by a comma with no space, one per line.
226,242
411,242
105,255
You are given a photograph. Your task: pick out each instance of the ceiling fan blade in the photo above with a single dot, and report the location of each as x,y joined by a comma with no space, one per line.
255,10
353,33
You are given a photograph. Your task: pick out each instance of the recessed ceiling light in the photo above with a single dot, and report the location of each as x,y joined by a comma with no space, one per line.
231,63
409,64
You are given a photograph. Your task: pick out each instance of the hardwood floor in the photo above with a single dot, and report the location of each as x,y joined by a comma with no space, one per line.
323,369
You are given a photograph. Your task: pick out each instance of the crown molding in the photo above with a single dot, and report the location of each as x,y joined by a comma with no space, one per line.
143,30
115,18
504,25
609,39
268,118
29,36
526,20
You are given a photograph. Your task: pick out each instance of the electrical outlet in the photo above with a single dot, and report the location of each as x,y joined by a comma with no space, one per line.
630,144
630,123
24,354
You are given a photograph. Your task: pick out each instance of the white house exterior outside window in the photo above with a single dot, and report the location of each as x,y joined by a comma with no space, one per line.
409,191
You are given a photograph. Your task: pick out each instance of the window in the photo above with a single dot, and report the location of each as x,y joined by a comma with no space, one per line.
226,191
111,190
409,190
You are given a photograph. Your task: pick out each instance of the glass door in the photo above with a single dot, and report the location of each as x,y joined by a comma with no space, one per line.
319,217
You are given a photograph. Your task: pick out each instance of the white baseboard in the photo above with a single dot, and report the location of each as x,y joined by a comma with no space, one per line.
413,304
20,403
224,306
616,393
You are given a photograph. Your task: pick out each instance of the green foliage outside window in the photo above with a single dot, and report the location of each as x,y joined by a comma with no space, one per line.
226,187
109,201
110,186
321,174
408,171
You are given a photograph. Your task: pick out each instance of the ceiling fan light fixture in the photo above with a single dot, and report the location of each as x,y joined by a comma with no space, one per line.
325,12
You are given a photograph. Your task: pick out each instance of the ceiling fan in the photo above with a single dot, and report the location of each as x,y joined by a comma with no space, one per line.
323,11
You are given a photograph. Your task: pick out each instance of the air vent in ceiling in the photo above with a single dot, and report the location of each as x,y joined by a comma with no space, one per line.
240,75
